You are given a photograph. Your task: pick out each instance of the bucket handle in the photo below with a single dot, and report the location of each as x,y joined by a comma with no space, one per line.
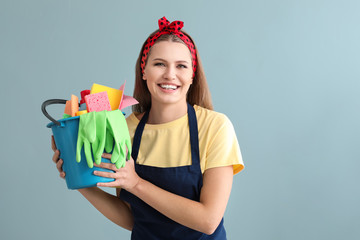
50,102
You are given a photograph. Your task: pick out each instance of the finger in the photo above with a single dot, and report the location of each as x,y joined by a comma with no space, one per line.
59,165
106,155
105,174
53,144
107,184
62,175
109,166
56,156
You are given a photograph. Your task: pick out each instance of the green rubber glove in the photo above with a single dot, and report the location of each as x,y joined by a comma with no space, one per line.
99,144
117,136
109,142
86,136
66,116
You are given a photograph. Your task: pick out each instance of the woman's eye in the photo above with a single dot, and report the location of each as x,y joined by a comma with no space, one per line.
159,64
182,66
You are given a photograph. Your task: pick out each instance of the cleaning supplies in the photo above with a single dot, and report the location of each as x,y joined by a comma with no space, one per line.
83,93
99,144
126,101
86,136
102,125
114,95
118,131
72,106
97,102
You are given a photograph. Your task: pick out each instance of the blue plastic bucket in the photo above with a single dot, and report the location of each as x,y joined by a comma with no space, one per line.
65,131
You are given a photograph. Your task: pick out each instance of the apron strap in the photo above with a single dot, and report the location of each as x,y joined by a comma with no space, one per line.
138,135
194,137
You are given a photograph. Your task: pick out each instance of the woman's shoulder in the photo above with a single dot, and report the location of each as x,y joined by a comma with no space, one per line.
207,116
133,119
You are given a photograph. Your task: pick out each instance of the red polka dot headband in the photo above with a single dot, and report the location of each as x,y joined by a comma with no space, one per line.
165,27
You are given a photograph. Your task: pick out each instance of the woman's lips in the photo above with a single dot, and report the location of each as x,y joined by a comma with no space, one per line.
170,87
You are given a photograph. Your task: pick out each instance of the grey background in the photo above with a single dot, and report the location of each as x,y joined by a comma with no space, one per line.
285,72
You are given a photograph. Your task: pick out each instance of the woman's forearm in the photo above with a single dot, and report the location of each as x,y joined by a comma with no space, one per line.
110,206
182,210
203,216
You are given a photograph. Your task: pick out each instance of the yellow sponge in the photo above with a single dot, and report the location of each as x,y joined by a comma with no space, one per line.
114,95
81,112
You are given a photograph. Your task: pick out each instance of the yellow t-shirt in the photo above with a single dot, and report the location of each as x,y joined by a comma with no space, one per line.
168,144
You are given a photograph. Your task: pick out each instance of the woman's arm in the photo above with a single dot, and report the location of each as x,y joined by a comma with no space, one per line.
109,205
203,216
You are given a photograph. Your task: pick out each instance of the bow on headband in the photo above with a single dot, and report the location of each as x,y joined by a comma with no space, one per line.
165,27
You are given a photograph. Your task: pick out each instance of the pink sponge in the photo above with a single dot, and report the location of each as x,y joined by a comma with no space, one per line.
97,102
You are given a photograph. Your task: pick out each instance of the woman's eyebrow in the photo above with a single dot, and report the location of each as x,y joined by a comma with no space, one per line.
159,59
182,61
179,61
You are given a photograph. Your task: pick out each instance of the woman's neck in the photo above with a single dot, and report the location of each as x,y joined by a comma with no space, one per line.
160,114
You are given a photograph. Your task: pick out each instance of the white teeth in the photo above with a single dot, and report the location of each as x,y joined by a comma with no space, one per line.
168,86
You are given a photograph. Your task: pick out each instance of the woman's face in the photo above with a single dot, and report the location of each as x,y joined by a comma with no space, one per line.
168,73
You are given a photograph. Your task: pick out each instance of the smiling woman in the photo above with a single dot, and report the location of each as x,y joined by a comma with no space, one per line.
184,155
168,76
198,92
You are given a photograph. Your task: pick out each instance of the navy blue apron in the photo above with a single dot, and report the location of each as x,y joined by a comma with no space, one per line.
185,181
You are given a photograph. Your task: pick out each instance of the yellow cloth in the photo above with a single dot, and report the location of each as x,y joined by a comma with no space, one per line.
168,145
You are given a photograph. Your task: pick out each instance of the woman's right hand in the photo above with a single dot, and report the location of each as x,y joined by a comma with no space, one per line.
56,158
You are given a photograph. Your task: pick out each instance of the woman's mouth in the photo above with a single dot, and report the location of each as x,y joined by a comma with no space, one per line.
168,86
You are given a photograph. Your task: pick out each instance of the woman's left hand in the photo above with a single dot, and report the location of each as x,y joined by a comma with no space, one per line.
125,177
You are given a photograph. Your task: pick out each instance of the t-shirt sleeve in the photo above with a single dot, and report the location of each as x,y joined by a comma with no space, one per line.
223,148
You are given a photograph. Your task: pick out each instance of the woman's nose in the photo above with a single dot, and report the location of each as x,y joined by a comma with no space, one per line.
170,73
